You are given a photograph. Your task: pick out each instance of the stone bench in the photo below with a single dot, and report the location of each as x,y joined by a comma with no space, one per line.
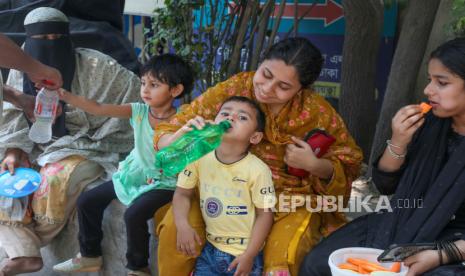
65,245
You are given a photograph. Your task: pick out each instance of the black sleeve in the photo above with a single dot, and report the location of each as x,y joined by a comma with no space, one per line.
386,182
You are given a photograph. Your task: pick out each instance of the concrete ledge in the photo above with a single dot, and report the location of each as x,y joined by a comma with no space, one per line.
65,245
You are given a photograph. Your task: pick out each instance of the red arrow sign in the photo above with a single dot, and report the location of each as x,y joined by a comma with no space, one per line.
329,12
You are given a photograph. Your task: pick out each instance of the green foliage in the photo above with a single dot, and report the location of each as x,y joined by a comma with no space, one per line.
458,15
173,24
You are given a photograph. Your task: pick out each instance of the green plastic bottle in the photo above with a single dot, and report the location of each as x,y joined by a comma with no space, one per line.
190,147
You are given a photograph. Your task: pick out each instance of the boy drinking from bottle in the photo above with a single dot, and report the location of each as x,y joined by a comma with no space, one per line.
236,192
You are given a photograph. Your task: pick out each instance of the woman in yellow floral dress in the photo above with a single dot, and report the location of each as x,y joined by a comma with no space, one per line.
281,86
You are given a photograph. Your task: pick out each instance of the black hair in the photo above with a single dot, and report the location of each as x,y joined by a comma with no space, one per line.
170,69
452,55
260,116
300,53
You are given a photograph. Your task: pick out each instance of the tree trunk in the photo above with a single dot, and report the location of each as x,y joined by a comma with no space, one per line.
437,37
410,49
296,17
364,19
268,10
242,31
277,21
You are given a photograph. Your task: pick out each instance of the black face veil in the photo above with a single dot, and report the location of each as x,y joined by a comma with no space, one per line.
57,53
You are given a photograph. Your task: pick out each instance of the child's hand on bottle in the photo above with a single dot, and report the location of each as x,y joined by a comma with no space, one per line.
186,240
243,264
198,122
62,93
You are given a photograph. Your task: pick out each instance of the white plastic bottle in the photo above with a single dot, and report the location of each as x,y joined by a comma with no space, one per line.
44,111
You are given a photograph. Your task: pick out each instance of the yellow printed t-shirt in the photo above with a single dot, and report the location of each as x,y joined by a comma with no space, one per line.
229,194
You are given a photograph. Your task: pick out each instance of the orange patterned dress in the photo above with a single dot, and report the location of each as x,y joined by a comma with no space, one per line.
293,233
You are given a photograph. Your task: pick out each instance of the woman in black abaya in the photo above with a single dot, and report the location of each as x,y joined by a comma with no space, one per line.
424,161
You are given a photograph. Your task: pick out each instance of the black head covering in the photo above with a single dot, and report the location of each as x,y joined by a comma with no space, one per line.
433,175
57,53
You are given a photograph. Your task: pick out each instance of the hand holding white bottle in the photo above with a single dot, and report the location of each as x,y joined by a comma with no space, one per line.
44,111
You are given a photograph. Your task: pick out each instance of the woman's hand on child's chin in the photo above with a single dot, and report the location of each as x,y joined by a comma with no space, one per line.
243,264
187,238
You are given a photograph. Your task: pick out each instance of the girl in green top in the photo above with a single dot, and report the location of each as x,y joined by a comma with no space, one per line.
137,183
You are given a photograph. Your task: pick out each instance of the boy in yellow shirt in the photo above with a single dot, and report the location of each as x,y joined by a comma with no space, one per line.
236,192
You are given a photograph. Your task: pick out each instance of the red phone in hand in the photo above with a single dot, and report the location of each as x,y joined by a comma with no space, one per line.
319,141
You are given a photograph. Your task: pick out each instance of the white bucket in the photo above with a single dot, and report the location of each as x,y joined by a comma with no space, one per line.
370,254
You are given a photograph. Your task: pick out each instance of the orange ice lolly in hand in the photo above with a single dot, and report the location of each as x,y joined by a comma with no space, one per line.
425,108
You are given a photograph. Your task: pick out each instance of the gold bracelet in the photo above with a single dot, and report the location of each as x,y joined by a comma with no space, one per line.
394,154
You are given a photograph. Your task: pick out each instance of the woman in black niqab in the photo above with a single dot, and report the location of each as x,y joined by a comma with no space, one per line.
48,40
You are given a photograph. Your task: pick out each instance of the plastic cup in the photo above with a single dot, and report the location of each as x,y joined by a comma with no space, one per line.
370,254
